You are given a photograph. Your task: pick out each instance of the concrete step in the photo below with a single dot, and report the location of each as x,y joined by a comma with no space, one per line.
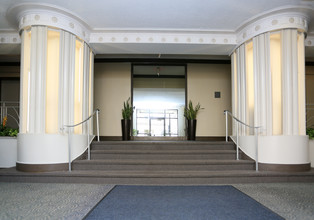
162,145
163,165
164,154
156,177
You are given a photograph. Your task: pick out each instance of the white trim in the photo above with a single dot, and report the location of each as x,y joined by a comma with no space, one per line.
272,23
309,41
30,14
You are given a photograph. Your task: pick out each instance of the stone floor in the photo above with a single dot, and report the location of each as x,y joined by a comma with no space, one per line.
290,200
74,201
49,200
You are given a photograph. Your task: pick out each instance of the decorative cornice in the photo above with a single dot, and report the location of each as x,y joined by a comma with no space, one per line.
309,41
9,38
29,14
162,37
272,23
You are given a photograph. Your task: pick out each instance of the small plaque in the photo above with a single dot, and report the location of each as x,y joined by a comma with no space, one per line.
217,95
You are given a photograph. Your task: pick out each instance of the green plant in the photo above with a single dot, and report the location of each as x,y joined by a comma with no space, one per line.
310,132
127,110
6,131
190,112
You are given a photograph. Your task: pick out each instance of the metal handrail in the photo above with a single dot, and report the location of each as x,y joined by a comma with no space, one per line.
88,141
238,121
4,106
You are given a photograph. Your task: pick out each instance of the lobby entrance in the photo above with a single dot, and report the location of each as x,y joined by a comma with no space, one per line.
159,96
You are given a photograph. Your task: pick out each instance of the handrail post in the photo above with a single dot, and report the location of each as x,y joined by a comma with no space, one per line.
69,148
88,144
97,120
237,140
226,114
256,149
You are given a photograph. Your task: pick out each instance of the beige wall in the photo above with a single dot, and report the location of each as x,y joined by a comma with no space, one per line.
112,87
309,85
309,79
203,81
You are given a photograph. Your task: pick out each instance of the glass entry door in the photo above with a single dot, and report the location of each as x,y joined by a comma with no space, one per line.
161,122
157,127
158,95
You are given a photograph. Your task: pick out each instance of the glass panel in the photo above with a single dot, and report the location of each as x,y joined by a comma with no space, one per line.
142,113
275,65
52,81
171,127
157,127
157,122
26,50
157,113
143,127
78,91
172,113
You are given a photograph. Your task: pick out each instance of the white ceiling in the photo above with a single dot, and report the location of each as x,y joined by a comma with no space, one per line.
210,16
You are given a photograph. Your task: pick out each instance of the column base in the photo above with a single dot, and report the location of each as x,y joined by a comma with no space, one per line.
42,167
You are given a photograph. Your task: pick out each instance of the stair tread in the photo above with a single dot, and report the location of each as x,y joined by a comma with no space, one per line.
163,151
158,161
153,173
104,143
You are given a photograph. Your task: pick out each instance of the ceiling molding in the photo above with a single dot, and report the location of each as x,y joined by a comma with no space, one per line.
29,14
161,37
272,23
9,38
25,15
309,41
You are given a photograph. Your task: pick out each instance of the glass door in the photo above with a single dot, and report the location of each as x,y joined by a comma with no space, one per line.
158,94
157,127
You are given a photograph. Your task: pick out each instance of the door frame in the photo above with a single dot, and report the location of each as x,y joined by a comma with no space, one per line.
160,63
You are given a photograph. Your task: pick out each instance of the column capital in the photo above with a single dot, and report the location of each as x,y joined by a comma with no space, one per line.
296,18
30,14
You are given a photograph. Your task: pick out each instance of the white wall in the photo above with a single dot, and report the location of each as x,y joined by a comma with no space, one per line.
49,148
279,149
8,152
203,81
112,87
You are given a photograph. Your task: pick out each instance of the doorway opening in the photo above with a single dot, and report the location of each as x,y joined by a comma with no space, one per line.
159,97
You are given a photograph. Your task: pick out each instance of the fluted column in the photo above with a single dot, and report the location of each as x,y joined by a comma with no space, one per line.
279,100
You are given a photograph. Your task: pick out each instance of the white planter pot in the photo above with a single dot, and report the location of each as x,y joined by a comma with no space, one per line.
311,145
8,152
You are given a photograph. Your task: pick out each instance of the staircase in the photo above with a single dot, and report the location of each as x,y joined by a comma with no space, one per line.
159,163
149,162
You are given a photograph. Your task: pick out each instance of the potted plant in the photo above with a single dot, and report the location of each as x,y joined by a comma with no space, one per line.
8,145
190,114
127,113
